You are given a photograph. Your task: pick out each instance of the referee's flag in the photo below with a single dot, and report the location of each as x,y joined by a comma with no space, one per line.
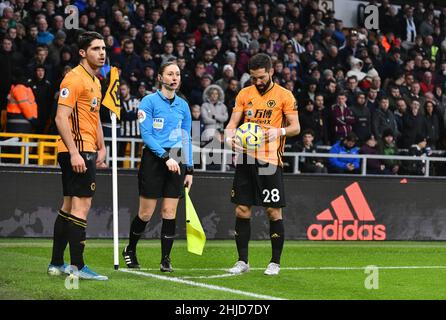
194,231
111,99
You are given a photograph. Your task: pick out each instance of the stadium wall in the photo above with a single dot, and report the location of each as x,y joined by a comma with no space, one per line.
319,207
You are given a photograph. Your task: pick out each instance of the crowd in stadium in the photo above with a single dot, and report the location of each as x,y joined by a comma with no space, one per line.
358,90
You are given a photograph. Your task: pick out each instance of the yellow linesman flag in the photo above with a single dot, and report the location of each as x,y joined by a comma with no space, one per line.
194,231
111,99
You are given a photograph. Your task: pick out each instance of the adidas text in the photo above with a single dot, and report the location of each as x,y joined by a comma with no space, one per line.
338,231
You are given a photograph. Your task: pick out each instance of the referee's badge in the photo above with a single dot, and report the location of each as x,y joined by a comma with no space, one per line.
141,116
64,93
158,123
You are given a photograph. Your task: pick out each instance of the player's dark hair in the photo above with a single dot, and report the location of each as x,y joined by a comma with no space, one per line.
259,61
86,38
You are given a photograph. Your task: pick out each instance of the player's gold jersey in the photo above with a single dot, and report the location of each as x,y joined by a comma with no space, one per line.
267,110
81,92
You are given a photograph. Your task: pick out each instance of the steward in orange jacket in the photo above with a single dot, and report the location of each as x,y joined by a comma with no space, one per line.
21,109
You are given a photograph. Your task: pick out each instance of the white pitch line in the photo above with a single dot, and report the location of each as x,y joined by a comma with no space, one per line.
202,285
301,268
225,275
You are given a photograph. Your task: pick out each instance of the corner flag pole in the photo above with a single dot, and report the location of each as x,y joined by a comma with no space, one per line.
112,102
115,195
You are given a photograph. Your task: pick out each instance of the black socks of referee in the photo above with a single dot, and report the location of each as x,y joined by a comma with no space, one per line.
136,229
242,236
60,239
167,237
277,236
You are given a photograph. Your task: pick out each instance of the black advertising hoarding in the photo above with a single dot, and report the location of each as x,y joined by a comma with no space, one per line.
318,207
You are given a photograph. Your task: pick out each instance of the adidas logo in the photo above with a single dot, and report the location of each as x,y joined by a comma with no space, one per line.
363,226
275,235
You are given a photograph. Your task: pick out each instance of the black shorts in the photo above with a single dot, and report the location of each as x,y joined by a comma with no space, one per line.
258,185
78,184
156,181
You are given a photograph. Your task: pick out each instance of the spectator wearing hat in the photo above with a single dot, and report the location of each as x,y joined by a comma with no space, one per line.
227,75
356,69
387,146
43,93
55,48
345,146
157,43
374,166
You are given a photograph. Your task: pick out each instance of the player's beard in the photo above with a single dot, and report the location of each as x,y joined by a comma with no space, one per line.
262,89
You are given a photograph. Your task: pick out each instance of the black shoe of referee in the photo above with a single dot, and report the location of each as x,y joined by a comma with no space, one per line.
165,265
130,258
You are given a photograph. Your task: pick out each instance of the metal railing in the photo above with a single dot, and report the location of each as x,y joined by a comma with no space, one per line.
38,147
203,157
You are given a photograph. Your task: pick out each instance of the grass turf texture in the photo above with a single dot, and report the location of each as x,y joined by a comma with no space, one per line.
23,264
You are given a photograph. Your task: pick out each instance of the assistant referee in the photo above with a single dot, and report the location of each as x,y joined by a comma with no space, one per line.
166,164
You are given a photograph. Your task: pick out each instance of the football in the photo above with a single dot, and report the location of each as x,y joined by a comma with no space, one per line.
249,135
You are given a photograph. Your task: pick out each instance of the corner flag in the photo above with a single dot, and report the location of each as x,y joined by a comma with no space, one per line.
194,231
111,99
113,102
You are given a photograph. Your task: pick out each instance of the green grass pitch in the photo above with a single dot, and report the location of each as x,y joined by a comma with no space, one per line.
310,270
